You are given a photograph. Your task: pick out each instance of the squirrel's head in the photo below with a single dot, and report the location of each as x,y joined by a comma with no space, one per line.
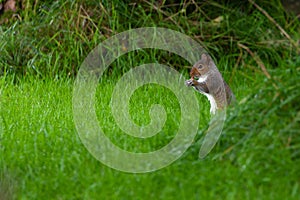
201,67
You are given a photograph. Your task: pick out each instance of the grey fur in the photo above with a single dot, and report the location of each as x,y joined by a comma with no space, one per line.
214,83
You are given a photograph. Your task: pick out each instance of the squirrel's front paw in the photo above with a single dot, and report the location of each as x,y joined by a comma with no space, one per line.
189,83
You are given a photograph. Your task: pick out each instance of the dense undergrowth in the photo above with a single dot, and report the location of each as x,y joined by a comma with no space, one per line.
61,33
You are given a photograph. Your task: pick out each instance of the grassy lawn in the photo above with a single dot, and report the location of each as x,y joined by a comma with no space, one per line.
42,156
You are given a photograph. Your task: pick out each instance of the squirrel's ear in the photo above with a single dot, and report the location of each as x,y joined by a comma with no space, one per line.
205,58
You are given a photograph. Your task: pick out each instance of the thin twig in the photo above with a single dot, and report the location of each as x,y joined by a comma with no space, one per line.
236,65
102,8
258,61
200,10
87,16
164,13
276,24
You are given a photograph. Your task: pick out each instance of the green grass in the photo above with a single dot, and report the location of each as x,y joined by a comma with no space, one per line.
42,156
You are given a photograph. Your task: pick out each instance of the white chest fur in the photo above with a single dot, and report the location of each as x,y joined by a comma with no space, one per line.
202,79
213,104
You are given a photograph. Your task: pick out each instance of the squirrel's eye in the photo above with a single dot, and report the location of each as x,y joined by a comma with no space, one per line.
200,66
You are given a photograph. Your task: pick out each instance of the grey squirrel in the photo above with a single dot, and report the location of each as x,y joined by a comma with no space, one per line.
206,79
